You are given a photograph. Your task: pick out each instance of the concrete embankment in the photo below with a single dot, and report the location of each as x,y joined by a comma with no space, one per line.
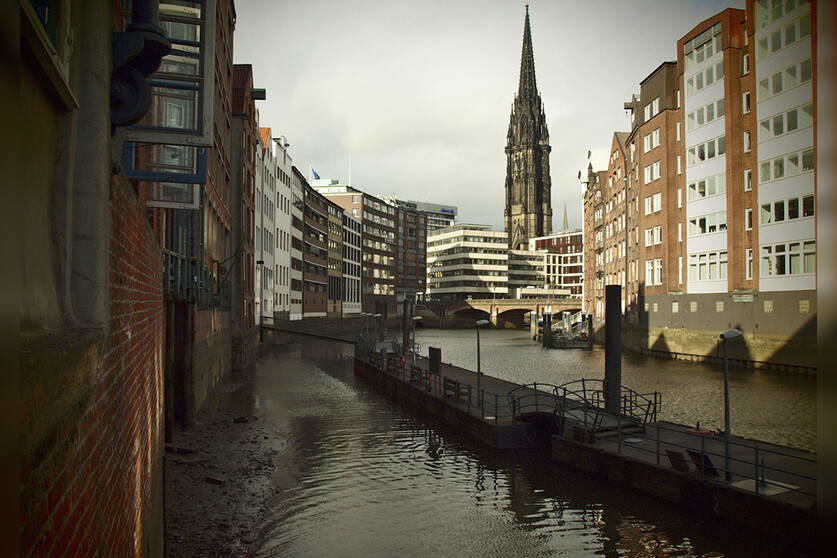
780,502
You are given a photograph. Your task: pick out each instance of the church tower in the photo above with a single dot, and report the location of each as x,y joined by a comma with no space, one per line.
528,185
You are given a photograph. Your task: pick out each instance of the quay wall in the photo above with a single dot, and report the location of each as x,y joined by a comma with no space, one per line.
701,496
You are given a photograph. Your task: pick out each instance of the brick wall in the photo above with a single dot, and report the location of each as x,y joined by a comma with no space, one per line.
92,412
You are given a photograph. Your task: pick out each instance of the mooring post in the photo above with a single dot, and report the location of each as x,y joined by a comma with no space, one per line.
613,347
590,330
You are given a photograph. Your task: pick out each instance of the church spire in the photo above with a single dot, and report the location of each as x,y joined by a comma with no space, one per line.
528,185
528,88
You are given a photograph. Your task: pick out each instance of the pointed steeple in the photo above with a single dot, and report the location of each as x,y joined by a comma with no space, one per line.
528,88
566,225
528,184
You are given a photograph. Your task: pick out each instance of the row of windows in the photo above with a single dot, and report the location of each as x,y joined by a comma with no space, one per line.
791,258
795,119
703,47
654,203
652,140
705,115
652,172
705,78
775,10
708,224
787,165
787,35
785,79
787,210
710,266
654,236
705,151
706,187
654,272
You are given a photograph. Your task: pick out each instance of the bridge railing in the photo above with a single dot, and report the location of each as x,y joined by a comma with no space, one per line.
632,405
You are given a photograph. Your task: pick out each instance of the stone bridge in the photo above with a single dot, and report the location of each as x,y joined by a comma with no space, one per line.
503,313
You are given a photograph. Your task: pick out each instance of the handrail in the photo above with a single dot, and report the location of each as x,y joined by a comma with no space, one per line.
592,407
632,405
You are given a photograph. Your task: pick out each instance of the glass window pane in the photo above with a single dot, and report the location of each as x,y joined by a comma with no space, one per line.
778,125
777,83
710,76
793,165
806,117
764,174
710,112
710,152
805,26
763,50
764,130
790,33
807,206
764,88
776,41
720,110
719,70
766,213
790,77
793,123
700,117
722,145
808,160
701,152
793,208
699,81
805,70
779,211
779,167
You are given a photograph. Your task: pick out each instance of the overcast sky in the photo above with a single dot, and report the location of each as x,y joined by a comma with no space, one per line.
420,92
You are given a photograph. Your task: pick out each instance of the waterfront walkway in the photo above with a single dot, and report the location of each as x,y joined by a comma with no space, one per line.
771,471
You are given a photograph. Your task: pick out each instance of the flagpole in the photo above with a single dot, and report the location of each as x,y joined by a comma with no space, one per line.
350,167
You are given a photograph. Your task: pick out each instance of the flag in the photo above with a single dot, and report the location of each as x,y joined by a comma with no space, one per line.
316,176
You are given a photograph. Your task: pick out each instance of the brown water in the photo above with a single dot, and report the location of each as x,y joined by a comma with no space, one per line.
358,475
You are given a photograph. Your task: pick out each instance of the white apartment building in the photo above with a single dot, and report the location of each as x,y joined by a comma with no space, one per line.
264,228
785,114
706,163
284,197
467,261
352,246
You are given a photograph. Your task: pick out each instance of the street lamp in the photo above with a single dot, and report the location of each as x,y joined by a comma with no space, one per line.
479,371
415,319
725,336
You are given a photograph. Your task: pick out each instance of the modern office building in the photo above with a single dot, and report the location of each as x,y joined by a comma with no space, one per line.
438,216
467,261
410,261
352,246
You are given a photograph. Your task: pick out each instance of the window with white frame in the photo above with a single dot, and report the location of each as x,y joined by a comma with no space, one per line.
795,119
658,271
678,131
658,201
784,36
748,219
708,224
706,187
746,141
656,170
679,197
646,144
703,47
797,207
649,205
705,114
748,267
648,174
704,78
748,180
745,62
786,165
789,258
710,266
655,138
745,102
786,79
679,164
706,151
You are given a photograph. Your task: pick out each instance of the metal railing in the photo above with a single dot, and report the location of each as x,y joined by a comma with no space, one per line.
694,453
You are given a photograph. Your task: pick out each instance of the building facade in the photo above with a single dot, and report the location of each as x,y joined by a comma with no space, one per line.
410,261
467,261
528,211
298,183
564,260
352,246
334,288
314,254
265,227
378,236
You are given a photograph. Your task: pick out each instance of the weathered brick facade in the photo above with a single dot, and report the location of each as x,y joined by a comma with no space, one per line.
92,412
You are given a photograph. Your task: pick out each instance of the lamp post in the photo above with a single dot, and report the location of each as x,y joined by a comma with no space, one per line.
725,336
415,319
479,371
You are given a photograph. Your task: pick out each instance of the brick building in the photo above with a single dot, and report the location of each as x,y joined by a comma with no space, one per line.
564,260
245,335
720,187
314,253
92,330
334,290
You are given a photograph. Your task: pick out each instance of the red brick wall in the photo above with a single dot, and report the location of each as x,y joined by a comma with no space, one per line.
92,425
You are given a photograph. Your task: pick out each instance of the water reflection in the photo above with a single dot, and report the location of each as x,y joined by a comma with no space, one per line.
359,476
773,407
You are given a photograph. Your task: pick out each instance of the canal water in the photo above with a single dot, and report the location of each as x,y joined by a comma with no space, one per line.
769,406
358,475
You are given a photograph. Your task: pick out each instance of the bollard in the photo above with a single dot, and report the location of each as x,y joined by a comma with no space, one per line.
613,347
756,471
